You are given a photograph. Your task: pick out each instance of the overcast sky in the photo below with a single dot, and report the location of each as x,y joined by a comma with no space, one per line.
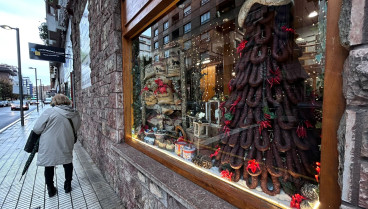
26,15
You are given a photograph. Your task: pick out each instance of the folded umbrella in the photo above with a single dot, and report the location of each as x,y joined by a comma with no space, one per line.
30,158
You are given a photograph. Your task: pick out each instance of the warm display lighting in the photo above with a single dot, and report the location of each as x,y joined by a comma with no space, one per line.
313,14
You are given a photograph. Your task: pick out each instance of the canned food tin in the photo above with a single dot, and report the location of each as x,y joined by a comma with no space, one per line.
179,147
189,153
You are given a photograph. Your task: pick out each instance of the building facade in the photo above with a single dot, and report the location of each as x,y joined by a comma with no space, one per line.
207,34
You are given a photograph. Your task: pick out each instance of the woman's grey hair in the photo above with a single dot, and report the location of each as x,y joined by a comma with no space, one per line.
61,99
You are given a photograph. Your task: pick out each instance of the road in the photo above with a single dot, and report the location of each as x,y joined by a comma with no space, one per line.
7,116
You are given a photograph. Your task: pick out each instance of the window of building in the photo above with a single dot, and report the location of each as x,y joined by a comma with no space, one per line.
175,34
157,57
203,2
166,25
166,39
166,53
187,44
187,27
187,10
156,32
205,18
258,136
175,18
205,36
156,45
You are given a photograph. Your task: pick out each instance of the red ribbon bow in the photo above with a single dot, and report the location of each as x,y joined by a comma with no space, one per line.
276,77
296,200
241,47
226,174
264,124
233,105
286,29
253,165
216,153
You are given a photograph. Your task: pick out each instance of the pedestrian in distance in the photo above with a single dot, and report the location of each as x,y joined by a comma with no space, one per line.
58,126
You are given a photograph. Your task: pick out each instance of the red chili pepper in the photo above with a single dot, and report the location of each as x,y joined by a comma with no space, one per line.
233,105
296,200
144,89
241,47
308,124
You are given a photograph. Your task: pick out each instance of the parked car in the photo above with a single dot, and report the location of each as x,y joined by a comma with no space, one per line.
47,101
33,102
2,103
15,105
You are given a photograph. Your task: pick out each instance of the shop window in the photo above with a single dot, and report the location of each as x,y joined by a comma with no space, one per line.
166,39
187,11
205,18
166,25
187,27
156,45
241,106
156,32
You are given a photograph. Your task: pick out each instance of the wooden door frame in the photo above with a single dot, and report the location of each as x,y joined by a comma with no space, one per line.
333,108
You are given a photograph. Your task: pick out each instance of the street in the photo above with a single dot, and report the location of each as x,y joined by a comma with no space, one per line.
7,116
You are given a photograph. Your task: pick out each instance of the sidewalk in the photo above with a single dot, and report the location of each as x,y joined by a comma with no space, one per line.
89,188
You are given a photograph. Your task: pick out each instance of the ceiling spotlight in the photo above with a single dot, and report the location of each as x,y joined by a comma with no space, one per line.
313,14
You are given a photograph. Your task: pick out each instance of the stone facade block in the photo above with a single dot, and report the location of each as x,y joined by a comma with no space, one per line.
363,185
364,151
355,77
349,157
353,23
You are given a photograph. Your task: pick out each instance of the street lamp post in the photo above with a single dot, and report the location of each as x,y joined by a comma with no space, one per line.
36,85
41,93
6,27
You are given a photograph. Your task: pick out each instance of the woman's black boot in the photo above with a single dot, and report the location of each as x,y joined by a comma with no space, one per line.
51,190
68,186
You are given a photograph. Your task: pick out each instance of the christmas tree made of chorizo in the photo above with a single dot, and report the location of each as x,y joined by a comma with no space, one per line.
264,119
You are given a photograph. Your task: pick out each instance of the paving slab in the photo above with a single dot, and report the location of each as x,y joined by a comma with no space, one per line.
89,188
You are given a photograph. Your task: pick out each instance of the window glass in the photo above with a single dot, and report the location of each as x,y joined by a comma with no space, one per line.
187,27
187,11
166,39
239,98
205,18
156,32
203,2
166,25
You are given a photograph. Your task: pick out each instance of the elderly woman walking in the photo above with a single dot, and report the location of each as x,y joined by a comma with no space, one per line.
57,126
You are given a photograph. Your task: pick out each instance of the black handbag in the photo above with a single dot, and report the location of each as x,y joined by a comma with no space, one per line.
75,135
31,142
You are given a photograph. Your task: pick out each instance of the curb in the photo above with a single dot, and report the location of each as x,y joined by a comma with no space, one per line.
13,123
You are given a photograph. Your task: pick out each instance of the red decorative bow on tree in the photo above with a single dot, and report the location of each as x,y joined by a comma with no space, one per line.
275,79
286,29
253,165
264,124
241,46
296,200
215,153
233,105
226,174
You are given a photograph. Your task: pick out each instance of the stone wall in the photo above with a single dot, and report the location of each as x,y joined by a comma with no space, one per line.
101,109
353,132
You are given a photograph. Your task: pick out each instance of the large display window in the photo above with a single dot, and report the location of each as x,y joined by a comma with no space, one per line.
233,89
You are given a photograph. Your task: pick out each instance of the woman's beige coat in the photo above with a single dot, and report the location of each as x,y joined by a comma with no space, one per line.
57,139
